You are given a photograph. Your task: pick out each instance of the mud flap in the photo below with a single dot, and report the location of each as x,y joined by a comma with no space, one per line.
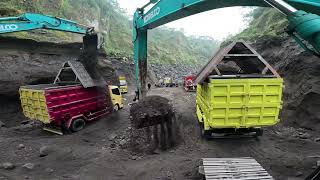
53,129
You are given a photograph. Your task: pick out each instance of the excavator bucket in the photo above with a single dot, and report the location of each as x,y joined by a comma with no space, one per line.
89,57
90,51
90,42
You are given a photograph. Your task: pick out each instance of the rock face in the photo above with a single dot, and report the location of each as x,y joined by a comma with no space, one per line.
301,72
25,62
29,62
177,72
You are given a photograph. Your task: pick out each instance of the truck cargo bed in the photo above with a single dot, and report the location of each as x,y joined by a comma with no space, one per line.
239,103
50,103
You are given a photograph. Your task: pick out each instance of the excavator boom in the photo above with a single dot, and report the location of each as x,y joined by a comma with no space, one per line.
32,21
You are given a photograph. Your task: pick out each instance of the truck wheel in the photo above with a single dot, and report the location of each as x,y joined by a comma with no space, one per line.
77,125
259,132
205,134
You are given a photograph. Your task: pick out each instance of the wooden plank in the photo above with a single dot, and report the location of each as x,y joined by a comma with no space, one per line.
236,160
206,70
241,178
256,171
266,175
234,168
233,159
230,162
226,163
222,53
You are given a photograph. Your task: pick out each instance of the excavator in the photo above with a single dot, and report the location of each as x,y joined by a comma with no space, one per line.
33,21
303,17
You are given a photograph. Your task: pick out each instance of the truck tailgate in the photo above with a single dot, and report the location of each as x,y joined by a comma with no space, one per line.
33,103
240,103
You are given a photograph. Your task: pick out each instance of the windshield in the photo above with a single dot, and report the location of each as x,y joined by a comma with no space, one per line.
123,82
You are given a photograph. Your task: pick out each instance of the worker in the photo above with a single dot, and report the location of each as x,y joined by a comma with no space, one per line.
149,86
136,98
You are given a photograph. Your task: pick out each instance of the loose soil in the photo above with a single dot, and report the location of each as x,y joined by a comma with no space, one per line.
99,152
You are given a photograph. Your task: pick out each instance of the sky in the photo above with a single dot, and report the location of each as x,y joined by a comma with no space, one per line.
217,23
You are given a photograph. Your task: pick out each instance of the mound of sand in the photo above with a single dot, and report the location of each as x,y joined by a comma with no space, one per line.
150,111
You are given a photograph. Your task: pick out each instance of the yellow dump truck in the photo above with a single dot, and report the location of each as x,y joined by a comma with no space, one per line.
123,84
239,102
116,97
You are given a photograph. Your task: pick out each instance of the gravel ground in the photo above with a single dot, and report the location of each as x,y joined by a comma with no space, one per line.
27,152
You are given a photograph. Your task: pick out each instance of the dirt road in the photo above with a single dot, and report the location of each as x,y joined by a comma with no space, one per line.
97,153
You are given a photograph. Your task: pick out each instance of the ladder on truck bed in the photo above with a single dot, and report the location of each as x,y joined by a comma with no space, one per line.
233,169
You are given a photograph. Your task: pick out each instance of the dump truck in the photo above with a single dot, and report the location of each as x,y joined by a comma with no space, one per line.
123,84
116,97
160,83
71,101
188,83
168,82
238,102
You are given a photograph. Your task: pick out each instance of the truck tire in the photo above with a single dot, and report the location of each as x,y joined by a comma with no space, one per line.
259,132
77,125
205,134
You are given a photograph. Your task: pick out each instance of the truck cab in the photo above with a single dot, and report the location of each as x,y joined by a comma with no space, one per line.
168,82
116,97
123,84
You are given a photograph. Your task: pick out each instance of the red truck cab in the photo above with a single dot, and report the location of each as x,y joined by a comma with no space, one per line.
188,83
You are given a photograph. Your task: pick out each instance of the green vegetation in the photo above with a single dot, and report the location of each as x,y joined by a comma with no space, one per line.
166,45
264,23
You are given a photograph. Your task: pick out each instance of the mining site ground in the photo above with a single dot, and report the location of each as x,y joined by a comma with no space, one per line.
97,152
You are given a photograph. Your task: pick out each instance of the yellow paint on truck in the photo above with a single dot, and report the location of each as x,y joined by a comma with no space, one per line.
239,103
34,106
116,97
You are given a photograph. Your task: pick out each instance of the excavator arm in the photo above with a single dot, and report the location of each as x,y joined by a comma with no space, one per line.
32,21
303,16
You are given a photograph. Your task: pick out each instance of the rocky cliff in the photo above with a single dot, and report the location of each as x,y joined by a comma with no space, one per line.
301,72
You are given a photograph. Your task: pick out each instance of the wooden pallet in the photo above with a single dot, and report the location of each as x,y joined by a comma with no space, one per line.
234,168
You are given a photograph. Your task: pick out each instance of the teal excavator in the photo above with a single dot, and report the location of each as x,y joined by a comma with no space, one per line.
33,21
303,17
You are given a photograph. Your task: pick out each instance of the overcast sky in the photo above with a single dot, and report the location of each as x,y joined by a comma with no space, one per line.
217,23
